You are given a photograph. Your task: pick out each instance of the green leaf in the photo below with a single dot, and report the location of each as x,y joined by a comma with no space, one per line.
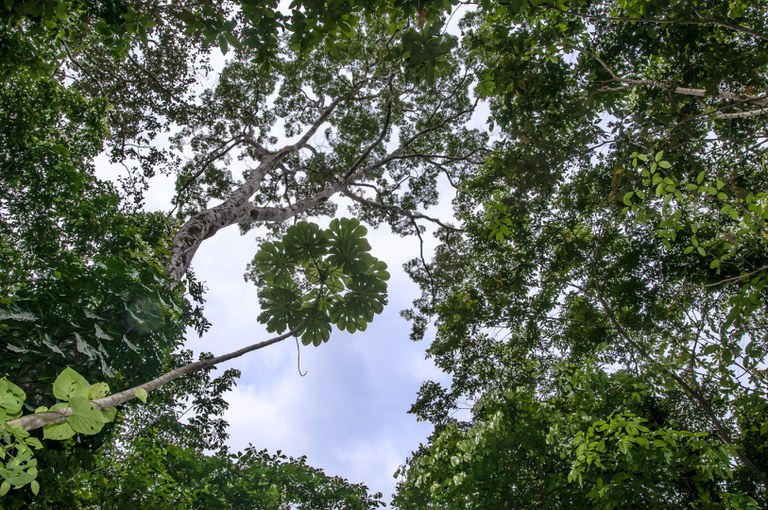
98,390
58,431
11,400
109,414
141,394
317,329
69,384
34,443
86,418
35,486
305,242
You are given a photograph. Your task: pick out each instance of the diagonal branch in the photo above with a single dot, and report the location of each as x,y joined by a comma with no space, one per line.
36,421
379,139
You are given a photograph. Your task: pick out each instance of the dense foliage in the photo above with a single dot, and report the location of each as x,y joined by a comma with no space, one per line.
610,335
91,281
600,307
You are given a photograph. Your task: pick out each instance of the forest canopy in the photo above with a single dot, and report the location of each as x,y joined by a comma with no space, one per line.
596,301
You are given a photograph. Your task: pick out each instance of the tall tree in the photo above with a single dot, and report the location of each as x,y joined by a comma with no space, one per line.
359,124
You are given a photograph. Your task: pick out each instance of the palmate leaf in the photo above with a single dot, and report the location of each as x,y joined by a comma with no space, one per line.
329,274
272,265
348,247
304,242
345,315
281,307
354,310
317,329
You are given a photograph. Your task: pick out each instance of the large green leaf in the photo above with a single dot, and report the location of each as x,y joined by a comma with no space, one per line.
69,384
86,418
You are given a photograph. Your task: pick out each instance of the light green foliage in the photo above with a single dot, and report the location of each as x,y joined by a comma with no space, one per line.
313,279
18,467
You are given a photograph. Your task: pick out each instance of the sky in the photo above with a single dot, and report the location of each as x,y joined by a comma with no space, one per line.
349,413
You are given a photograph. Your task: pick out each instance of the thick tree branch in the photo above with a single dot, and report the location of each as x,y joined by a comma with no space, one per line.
237,208
205,224
741,115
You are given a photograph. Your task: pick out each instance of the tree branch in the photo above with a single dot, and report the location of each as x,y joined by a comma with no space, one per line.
703,21
238,209
686,91
221,151
36,421
399,210
741,115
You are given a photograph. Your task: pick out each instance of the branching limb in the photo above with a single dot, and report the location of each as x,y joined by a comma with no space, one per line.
701,21
398,210
629,83
238,209
220,151
379,139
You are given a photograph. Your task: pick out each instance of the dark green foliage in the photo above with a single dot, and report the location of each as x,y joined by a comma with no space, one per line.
155,474
313,279
82,282
611,282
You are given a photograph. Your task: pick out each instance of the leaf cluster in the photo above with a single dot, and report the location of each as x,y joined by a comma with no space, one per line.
313,279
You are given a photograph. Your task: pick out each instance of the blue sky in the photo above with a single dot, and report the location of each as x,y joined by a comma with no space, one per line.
348,414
